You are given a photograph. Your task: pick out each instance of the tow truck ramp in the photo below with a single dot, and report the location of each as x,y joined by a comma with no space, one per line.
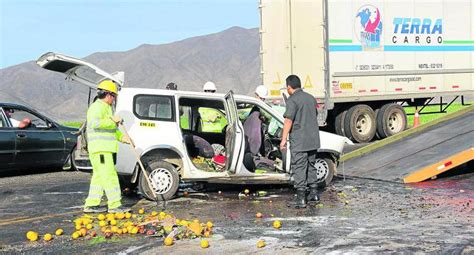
417,154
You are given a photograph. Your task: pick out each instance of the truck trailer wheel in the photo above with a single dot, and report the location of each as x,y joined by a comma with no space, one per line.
164,178
339,123
359,123
391,119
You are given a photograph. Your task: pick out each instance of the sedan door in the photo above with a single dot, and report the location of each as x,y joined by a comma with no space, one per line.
40,145
234,134
7,143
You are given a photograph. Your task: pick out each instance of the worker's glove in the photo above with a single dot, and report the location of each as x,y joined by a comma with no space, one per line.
117,119
126,139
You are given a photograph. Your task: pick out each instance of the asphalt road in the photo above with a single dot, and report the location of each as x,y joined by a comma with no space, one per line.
356,215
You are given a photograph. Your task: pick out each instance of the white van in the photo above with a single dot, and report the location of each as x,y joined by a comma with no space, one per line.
159,122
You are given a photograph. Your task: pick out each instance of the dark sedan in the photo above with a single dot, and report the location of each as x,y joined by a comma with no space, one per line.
29,140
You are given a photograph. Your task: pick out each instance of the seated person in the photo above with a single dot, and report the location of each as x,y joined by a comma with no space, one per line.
253,131
14,122
197,146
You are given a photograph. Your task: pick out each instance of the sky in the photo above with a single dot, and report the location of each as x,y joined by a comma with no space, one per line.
79,28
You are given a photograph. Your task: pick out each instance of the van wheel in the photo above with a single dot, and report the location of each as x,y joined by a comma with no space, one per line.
326,168
359,123
391,120
163,177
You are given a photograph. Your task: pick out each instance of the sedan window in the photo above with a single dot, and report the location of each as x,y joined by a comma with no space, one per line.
18,115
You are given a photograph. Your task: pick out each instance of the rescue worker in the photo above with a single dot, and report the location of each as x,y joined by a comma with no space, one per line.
301,123
209,87
172,86
261,92
102,136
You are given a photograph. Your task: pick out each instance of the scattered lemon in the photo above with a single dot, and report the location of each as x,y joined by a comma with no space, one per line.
128,215
83,232
277,224
141,211
261,244
101,217
168,241
102,223
32,236
209,224
113,222
119,231
154,213
47,237
119,216
59,232
204,244
124,230
114,229
134,230
89,226
207,234
75,235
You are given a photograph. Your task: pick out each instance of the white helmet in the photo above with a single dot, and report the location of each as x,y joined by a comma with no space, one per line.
209,87
261,91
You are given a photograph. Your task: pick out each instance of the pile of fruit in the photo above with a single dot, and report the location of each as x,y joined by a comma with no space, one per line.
153,224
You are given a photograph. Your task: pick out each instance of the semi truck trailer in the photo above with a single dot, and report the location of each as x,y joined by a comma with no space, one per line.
364,60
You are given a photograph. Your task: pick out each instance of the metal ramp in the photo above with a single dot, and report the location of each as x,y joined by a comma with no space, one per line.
420,155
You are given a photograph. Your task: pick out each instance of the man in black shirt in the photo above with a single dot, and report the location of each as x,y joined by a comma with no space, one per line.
301,123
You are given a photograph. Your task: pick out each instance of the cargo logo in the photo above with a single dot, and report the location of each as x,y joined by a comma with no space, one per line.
368,26
417,31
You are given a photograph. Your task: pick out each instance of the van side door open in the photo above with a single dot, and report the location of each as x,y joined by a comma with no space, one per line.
234,134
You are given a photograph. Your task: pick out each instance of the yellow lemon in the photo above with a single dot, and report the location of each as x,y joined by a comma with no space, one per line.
47,237
113,222
101,217
32,236
124,230
114,229
128,215
141,211
75,235
261,244
89,226
168,241
59,232
209,224
204,244
102,223
154,213
277,224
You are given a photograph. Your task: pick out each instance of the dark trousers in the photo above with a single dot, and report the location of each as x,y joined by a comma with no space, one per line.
302,169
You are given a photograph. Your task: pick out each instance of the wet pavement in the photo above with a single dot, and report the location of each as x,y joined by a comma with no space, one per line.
355,215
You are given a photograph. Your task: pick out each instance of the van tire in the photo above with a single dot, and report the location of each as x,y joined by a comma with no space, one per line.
391,120
326,170
359,123
164,175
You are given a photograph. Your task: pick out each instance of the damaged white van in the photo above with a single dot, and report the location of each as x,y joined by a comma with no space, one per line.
177,144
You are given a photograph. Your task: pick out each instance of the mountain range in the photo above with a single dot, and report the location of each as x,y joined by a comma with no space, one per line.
229,58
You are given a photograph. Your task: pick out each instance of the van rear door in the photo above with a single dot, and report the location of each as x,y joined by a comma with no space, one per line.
78,70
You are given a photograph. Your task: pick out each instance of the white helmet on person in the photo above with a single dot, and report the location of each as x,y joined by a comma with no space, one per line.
261,91
209,87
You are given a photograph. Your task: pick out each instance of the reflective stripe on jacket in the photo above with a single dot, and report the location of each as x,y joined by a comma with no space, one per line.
102,132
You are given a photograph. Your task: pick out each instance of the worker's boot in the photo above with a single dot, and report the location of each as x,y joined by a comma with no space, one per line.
120,209
313,197
94,209
299,201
